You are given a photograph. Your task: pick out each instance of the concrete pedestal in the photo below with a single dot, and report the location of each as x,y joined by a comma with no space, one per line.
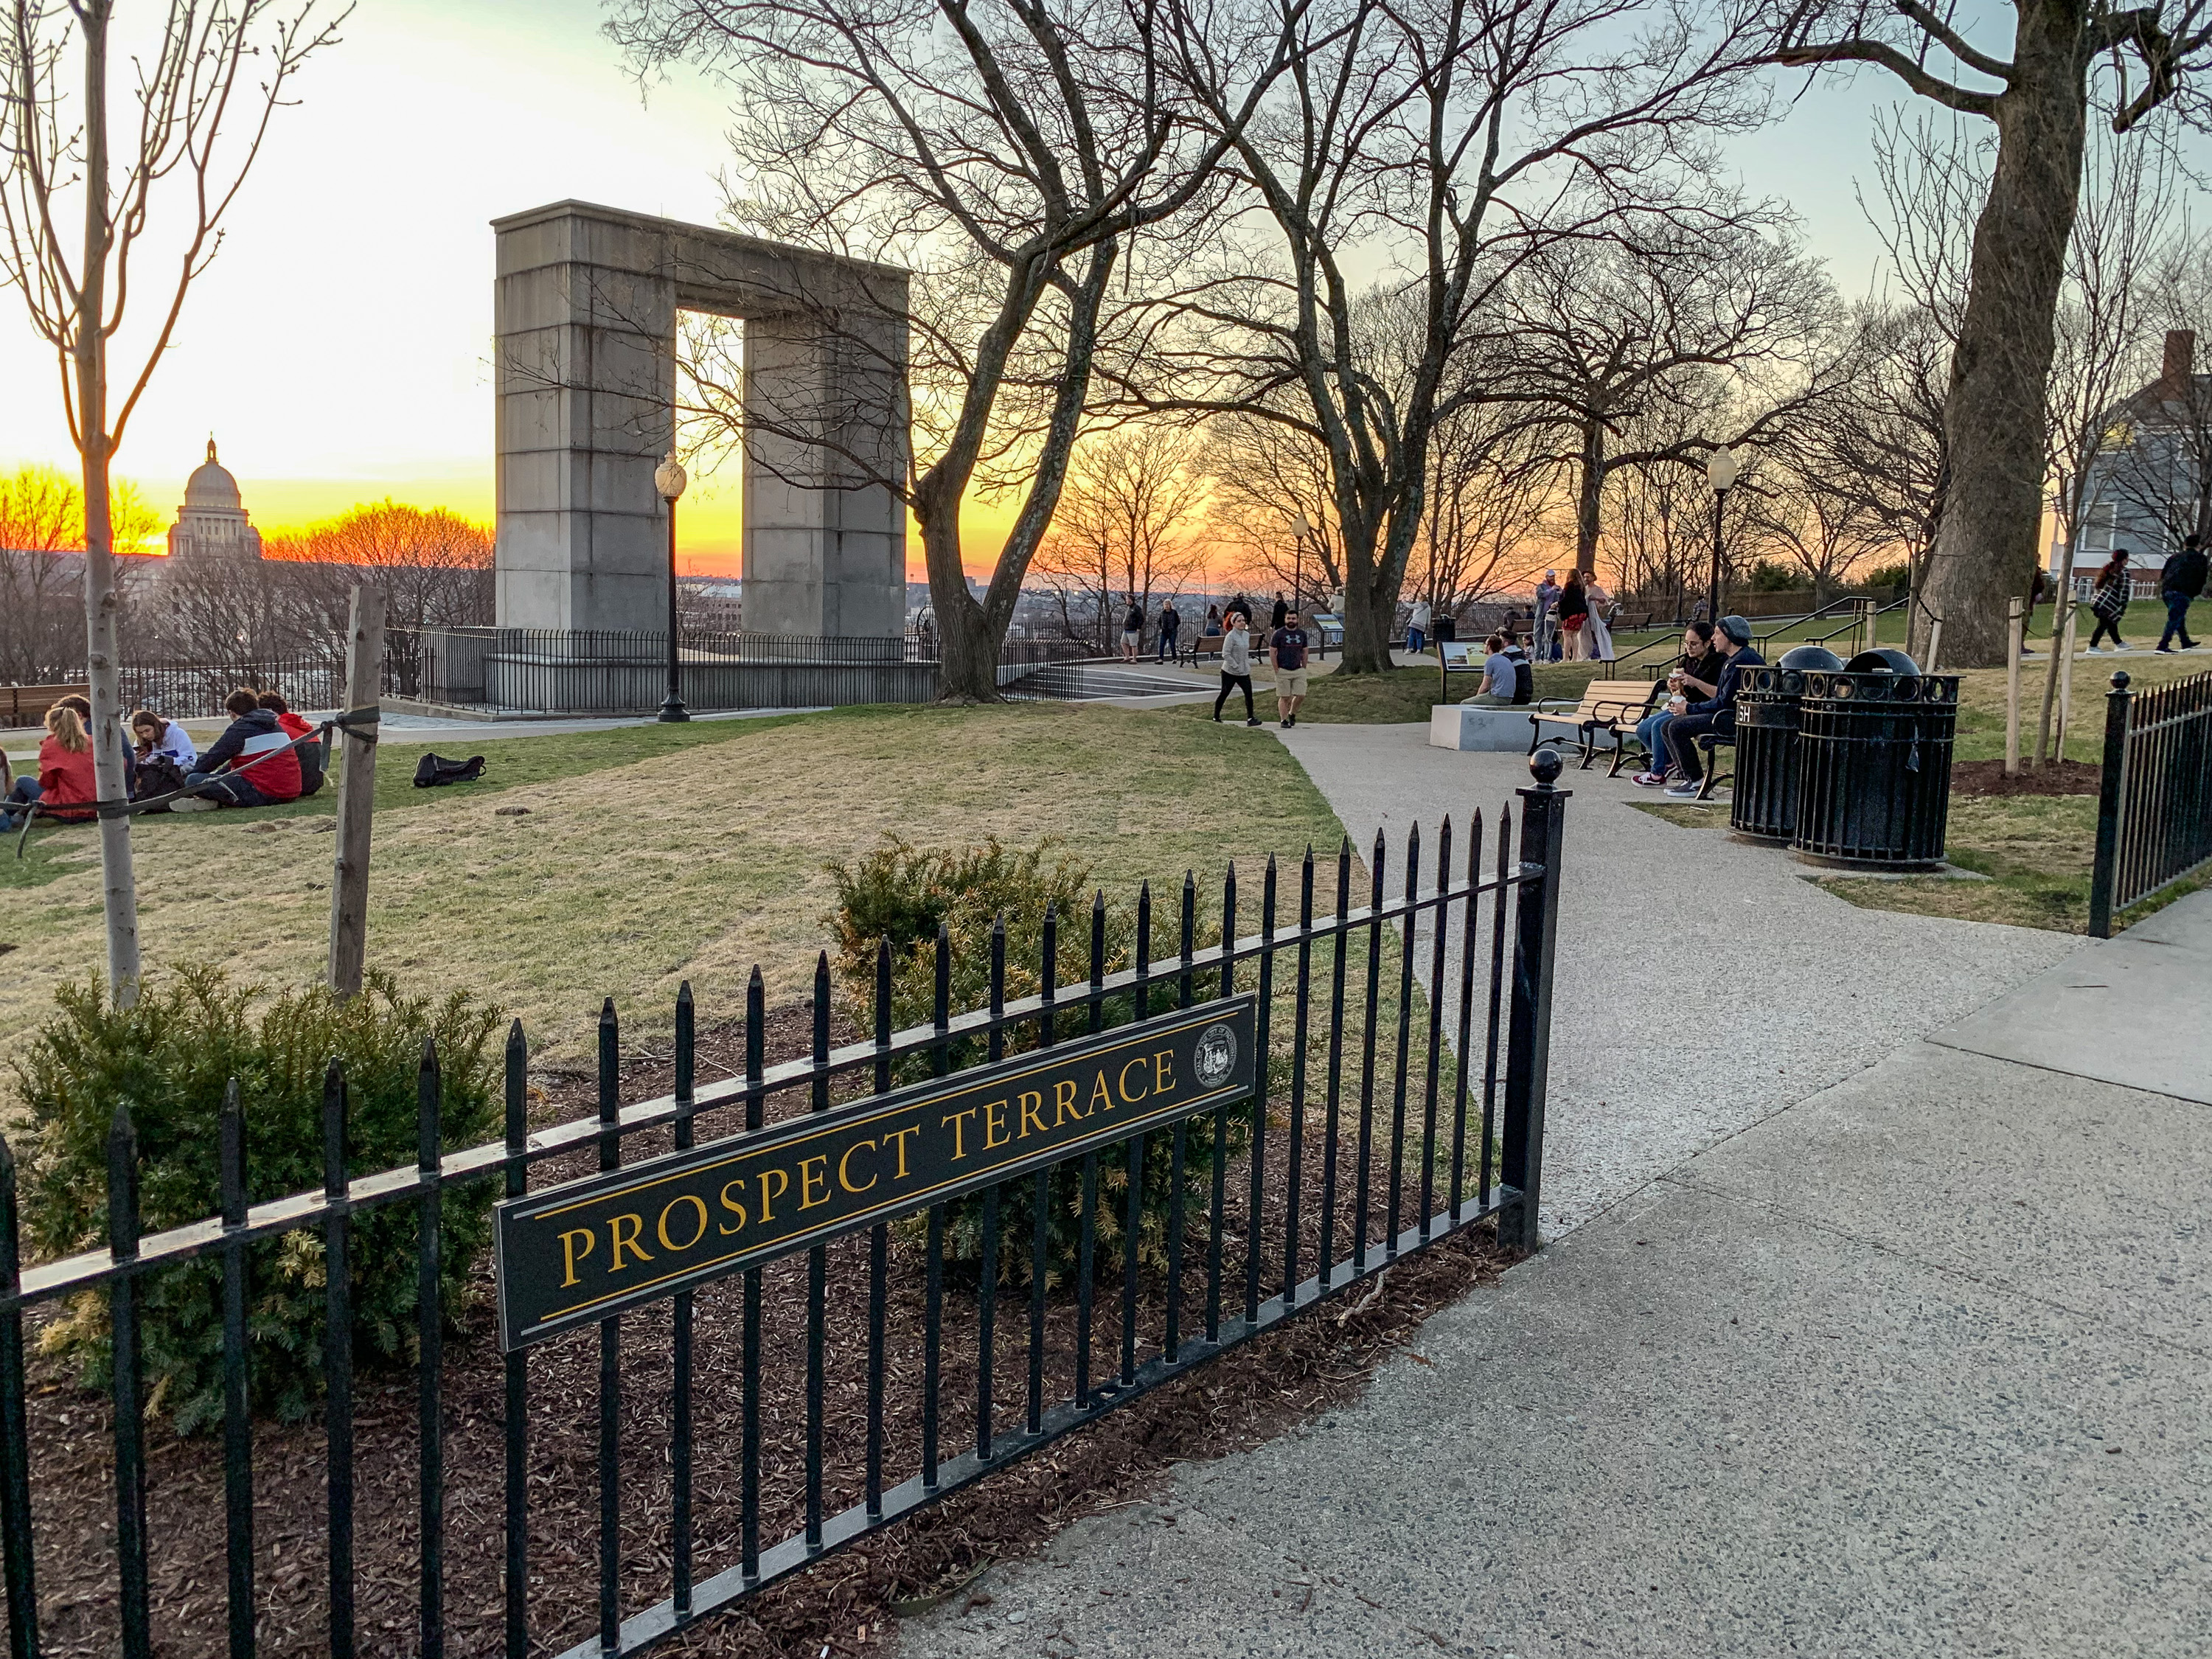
1492,730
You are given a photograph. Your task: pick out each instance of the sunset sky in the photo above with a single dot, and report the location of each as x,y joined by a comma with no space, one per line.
339,348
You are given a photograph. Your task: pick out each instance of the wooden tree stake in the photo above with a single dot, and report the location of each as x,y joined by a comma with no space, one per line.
356,794
2016,639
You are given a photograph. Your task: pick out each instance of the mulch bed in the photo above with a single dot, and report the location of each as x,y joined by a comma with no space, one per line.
1987,777
842,1605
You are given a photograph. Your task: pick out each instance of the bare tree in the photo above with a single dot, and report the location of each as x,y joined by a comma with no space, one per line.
1441,140
1803,523
1267,476
1612,335
1125,528
1017,155
73,220
1488,495
42,569
2065,56
2122,219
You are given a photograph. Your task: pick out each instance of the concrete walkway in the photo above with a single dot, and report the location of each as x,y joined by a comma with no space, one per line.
1911,1364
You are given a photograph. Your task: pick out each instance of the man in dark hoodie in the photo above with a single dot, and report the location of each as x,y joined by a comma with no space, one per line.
1714,713
2180,583
252,764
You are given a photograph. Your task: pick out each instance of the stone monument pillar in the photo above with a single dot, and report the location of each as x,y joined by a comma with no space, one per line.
585,318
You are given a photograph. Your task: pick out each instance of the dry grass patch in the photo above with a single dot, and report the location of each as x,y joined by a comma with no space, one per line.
691,864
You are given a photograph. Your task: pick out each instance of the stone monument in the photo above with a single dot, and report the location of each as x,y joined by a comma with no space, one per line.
585,315
212,522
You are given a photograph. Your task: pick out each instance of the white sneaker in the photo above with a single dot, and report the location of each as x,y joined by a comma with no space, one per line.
193,804
1649,780
1684,790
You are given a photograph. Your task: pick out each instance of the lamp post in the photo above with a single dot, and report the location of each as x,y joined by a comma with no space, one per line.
668,478
1720,473
1301,528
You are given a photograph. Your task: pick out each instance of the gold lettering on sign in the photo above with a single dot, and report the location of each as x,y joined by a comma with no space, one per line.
995,1125
766,1197
1101,1098
899,1136
1163,1080
1122,1081
845,1171
953,1121
735,1206
697,1203
810,1177
1032,1104
570,1256
1063,1097
626,1241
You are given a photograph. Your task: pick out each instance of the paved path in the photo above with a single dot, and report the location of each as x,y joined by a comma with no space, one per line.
1911,1364
1701,984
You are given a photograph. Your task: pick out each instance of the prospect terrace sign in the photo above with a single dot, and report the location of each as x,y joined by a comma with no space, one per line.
577,1254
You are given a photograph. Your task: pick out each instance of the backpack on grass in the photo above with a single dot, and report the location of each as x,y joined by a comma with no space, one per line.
435,771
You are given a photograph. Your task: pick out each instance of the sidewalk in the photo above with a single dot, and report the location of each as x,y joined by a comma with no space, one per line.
1914,1365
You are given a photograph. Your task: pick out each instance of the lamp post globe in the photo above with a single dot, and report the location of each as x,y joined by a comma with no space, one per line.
1721,469
669,479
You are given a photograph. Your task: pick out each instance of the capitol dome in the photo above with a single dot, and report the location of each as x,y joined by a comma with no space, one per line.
212,486
212,522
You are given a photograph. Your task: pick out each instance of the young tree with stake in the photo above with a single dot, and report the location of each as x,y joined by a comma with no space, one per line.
73,216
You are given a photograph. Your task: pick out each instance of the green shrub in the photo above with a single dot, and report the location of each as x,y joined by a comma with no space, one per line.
1896,576
904,893
167,1059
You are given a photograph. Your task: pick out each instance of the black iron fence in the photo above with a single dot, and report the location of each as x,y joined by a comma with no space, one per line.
859,1371
196,689
2155,814
561,671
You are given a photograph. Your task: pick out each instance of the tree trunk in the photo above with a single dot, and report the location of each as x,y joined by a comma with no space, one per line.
967,644
1590,496
1371,601
1993,416
102,603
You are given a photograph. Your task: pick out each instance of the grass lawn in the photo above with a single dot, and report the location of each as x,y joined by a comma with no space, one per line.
647,856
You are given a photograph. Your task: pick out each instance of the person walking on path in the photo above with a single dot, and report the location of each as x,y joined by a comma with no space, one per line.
1417,630
2108,600
1600,639
2178,583
1132,630
1545,642
1236,666
1574,618
1286,651
1170,625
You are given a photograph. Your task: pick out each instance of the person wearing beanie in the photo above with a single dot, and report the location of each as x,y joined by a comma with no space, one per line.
1715,714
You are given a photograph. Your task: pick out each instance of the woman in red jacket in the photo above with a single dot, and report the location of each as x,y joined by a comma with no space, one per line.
64,772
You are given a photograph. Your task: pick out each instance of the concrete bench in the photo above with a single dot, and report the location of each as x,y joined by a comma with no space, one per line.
1494,730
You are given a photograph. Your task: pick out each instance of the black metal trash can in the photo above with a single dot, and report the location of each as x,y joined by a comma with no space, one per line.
1446,629
1874,759
1763,806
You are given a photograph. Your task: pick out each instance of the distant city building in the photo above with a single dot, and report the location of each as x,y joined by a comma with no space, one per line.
212,522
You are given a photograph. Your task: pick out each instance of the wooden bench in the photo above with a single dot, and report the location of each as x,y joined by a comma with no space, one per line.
1609,708
27,705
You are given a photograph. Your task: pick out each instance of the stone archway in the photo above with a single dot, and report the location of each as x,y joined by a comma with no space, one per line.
584,317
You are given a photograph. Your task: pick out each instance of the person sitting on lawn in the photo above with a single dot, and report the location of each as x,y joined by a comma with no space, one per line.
64,772
1715,714
154,736
1696,673
313,757
1507,675
263,767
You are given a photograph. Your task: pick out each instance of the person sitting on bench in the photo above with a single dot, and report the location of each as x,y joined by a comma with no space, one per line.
1695,675
264,767
1716,713
1507,676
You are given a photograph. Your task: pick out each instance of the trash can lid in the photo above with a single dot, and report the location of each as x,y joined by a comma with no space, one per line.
1803,657
1886,660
